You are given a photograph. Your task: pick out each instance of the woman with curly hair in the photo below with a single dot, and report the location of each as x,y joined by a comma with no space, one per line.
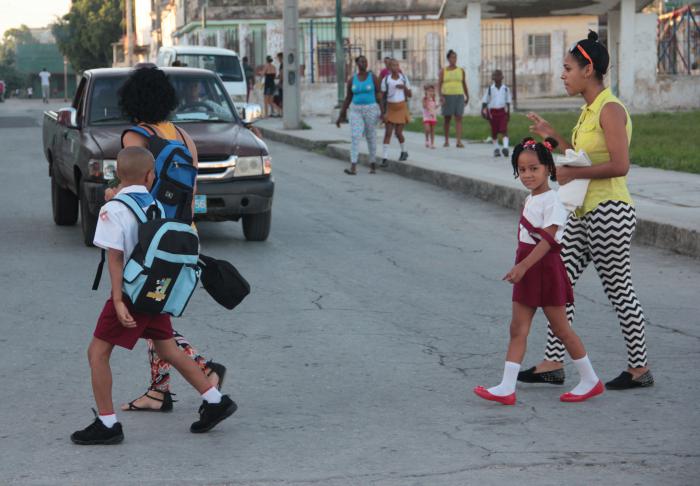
147,98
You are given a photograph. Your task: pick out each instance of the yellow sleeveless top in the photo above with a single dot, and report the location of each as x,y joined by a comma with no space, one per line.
452,81
588,136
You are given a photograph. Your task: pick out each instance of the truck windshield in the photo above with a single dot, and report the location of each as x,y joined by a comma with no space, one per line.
228,67
200,99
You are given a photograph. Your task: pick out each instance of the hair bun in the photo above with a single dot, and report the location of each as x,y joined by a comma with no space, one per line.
527,139
592,36
552,142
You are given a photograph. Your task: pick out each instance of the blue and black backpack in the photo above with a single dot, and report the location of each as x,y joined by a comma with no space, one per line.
162,272
174,170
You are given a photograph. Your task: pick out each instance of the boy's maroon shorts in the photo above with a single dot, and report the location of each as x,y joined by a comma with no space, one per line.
499,121
148,326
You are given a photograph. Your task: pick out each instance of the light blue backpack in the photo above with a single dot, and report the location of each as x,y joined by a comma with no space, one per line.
162,272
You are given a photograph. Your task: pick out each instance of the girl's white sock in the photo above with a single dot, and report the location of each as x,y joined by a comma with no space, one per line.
403,149
109,420
385,151
212,395
510,377
505,142
588,377
495,143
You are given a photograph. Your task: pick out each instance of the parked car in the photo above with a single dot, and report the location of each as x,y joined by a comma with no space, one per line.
224,62
81,143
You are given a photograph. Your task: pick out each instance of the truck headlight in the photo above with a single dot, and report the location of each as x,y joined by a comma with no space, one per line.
102,169
248,166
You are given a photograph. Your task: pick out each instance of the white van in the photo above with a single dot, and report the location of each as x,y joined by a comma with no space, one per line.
223,62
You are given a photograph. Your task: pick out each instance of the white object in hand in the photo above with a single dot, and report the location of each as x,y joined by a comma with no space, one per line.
573,193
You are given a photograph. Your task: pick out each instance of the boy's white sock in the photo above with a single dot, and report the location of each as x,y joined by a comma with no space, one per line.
212,395
588,377
505,142
495,143
403,149
108,420
385,151
510,376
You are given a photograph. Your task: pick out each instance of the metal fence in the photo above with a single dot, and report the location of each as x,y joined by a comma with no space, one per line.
678,37
496,53
418,45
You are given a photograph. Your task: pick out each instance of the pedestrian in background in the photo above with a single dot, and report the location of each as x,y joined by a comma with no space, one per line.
430,107
278,98
45,76
2,90
601,230
249,78
363,97
269,75
495,107
386,69
30,92
396,90
452,86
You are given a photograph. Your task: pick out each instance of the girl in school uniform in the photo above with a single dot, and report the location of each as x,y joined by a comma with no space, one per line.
539,278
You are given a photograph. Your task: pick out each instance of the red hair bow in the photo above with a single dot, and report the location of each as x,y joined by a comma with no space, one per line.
530,144
548,145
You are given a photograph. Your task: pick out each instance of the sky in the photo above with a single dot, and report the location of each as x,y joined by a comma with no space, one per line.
34,13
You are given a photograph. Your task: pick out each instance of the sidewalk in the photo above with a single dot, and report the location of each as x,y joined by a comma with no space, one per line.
667,202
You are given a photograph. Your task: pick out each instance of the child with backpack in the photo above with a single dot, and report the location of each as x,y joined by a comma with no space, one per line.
495,107
120,323
539,278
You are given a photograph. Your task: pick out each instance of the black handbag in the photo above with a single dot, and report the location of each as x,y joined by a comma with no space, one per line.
223,282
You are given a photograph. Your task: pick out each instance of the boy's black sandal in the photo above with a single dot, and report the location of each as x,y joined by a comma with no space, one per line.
555,377
98,434
211,414
167,402
220,371
626,381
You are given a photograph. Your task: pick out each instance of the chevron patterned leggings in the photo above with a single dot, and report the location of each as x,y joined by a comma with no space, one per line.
603,236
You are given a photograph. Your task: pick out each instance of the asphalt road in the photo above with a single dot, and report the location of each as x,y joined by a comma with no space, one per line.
377,306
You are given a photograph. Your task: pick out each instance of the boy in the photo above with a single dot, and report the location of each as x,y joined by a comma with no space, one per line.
120,325
495,107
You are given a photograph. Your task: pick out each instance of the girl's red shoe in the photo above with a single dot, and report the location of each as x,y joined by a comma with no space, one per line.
486,395
570,397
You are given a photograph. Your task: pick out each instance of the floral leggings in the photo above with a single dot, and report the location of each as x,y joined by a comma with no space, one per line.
160,369
363,123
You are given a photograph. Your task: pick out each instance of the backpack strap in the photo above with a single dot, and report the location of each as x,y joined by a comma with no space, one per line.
98,274
133,205
137,129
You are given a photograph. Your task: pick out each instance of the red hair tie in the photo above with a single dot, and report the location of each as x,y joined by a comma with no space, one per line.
530,144
547,145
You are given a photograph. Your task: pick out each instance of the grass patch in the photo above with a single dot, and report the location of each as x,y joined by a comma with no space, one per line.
662,140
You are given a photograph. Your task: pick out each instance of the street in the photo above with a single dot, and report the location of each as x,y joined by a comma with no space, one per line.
377,305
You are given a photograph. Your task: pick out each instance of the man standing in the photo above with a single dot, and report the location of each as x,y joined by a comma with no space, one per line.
45,75
249,78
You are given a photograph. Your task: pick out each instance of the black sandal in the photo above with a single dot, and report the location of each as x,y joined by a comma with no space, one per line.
350,172
167,403
220,371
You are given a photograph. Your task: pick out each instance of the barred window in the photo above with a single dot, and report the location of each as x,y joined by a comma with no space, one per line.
538,45
394,48
231,38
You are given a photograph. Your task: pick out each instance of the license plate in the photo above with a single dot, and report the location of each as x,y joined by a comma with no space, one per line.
200,204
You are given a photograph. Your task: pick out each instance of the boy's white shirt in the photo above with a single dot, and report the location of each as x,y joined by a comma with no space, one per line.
499,97
542,211
573,193
117,227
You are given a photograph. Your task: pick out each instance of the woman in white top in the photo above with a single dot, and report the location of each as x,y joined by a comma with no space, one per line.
396,90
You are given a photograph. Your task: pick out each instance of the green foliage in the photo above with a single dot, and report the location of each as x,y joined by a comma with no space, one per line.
662,140
86,33
10,40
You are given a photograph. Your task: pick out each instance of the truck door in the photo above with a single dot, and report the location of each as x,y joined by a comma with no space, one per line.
70,143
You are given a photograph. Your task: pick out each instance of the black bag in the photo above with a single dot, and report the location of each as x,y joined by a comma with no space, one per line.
223,282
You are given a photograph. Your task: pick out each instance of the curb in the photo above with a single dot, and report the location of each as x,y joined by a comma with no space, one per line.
648,232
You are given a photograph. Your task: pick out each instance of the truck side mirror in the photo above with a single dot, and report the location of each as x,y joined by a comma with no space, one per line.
68,117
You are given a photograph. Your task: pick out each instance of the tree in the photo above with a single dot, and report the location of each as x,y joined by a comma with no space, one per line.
8,46
86,33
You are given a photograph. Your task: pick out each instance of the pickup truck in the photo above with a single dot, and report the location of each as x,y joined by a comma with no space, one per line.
81,143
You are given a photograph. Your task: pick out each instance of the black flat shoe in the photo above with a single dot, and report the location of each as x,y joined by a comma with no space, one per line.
555,377
384,163
98,434
626,381
211,414
166,402
220,371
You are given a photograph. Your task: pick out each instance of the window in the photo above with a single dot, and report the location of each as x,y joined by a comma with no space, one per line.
538,45
228,67
231,39
395,48
210,39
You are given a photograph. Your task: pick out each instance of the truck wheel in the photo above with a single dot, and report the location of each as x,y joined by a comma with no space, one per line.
256,227
88,221
64,205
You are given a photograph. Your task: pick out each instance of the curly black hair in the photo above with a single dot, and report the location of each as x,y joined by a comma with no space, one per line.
147,96
543,154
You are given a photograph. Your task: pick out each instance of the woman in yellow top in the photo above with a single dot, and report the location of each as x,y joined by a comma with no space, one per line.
601,230
452,87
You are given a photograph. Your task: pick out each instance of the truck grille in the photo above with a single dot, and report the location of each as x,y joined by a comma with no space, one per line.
216,167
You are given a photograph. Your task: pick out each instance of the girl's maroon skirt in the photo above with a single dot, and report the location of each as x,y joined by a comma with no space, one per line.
545,284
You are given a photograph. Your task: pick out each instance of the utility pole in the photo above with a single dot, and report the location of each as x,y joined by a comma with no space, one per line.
129,35
291,113
65,78
339,52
